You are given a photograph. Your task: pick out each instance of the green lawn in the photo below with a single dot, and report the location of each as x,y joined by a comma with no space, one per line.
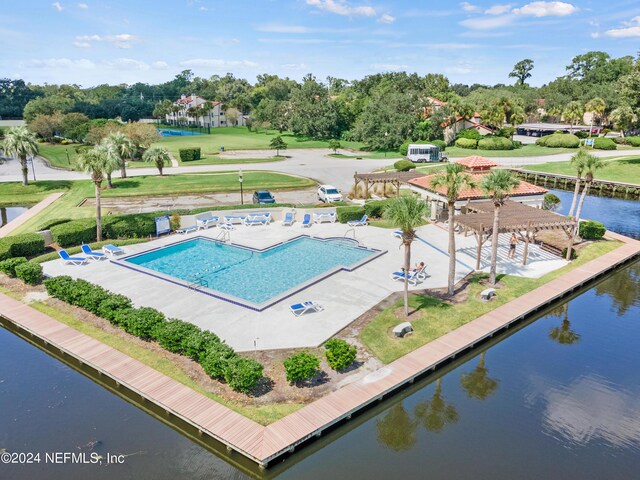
56,155
67,205
434,317
616,169
14,193
525,151
216,160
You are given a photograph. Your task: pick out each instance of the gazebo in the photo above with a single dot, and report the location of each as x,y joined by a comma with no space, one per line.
514,218
393,178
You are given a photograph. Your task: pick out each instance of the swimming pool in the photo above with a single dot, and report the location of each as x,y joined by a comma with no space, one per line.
168,132
252,278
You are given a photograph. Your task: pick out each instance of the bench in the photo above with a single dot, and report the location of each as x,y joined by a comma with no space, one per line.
402,329
488,294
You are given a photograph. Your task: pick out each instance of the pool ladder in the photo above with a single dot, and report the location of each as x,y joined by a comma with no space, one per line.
224,236
352,231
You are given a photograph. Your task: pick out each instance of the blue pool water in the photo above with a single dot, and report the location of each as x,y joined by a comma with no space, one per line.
254,276
167,132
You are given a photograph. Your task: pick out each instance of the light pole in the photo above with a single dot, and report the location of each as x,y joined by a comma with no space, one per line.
241,195
33,169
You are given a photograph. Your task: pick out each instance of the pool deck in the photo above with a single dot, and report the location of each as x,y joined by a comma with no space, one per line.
344,295
265,444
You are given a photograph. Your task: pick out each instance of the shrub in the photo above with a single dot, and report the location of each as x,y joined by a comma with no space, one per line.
466,143
582,135
29,272
174,222
59,287
559,140
574,254
74,232
189,154
404,165
173,335
633,141
506,132
441,144
591,230
346,214
495,143
142,322
602,143
197,342
24,245
469,133
243,374
339,353
111,306
550,201
375,208
215,359
129,226
8,266
621,140
301,366
517,144
404,148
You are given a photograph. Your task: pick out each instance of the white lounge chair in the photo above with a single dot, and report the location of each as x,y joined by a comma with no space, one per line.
359,223
112,250
185,230
288,219
324,217
206,222
413,277
301,308
306,220
234,218
69,260
257,220
86,249
397,233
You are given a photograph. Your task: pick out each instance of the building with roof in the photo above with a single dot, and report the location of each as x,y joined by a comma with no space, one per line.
197,111
477,167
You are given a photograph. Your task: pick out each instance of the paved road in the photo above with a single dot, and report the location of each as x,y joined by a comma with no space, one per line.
312,163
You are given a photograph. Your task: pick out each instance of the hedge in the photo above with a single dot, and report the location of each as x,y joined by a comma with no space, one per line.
190,154
404,165
301,366
466,143
8,266
24,245
559,140
375,208
217,359
602,143
75,232
404,148
339,353
495,143
591,230
346,214
30,273
441,144
468,133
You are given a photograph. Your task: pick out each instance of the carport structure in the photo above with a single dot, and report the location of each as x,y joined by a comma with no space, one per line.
516,218
393,178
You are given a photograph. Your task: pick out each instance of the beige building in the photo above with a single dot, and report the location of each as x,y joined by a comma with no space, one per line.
195,110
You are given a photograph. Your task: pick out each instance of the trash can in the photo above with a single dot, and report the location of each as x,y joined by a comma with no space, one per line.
222,149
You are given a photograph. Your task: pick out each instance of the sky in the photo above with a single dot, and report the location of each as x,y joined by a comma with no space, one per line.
94,42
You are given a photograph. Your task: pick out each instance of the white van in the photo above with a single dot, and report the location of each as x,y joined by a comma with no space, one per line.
425,153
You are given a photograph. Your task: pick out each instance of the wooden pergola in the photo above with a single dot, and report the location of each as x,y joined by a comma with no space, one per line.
516,218
393,178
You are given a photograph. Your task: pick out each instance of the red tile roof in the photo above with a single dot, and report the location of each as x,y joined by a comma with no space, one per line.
476,162
525,188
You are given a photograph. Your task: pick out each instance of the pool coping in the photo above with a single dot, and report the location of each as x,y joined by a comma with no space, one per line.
257,307
264,444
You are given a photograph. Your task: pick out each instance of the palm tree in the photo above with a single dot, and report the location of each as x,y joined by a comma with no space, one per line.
95,163
157,155
112,159
396,429
406,214
497,184
477,383
591,164
573,112
437,413
596,106
453,179
518,116
623,118
577,162
19,143
124,148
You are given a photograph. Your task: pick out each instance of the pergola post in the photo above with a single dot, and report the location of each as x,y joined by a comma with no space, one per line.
366,188
526,244
480,240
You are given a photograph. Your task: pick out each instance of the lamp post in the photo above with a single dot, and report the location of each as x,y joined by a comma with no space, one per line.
240,180
33,169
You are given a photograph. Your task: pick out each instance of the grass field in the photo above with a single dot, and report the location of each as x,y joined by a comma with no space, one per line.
616,169
76,192
526,151
216,160
434,317
65,157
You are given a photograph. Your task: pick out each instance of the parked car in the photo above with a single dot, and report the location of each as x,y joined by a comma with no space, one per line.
329,194
263,196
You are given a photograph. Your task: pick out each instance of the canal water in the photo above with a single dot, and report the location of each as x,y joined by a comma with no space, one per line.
9,213
557,399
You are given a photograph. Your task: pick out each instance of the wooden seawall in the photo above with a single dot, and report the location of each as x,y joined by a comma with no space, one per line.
263,445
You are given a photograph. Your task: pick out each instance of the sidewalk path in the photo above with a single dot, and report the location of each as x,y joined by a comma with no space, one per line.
29,214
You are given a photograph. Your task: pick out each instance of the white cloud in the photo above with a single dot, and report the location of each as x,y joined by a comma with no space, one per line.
218,63
126,64
499,9
203,8
388,67
631,29
81,44
279,28
55,63
546,9
467,7
83,6
342,7
487,23
57,6
386,18
122,40
293,66
160,65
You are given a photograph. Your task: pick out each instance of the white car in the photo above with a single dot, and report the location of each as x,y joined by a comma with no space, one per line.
329,194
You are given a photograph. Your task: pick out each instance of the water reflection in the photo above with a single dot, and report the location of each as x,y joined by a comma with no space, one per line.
478,384
563,334
624,289
396,429
436,413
